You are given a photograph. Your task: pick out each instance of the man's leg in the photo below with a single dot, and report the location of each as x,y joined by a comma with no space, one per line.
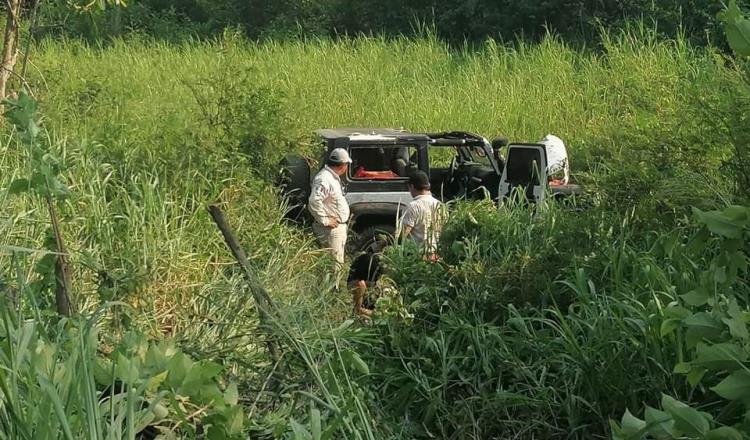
337,243
359,289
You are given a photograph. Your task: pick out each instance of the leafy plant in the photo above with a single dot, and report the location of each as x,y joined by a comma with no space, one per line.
708,324
60,386
44,181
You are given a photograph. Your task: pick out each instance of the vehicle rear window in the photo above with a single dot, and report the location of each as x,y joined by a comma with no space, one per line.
382,162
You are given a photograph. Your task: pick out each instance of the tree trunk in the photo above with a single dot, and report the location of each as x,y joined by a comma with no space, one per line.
10,44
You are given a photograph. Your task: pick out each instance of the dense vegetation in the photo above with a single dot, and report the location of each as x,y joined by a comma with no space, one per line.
545,323
453,20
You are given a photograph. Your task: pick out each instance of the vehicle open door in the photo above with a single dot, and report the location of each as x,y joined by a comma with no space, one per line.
526,169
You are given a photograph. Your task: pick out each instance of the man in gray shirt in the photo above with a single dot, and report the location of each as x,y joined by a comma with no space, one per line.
425,215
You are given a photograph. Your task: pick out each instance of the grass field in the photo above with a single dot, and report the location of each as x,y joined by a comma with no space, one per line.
151,133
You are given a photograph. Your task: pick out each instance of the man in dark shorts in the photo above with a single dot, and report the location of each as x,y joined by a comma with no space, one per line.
363,273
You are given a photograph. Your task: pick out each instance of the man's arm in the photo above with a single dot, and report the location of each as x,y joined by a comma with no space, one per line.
408,221
406,231
315,204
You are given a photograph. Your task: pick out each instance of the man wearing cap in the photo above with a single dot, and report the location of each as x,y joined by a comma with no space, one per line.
328,205
424,217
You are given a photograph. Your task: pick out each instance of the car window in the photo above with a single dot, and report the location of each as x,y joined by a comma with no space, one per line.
479,155
441,157
382,162
523,165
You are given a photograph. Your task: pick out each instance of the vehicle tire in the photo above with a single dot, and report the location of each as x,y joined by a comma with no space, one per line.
294,187
364,240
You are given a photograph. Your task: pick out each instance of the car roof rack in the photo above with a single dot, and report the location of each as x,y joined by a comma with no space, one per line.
370,134
455,138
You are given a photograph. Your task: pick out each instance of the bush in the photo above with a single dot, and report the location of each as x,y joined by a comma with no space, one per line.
472,364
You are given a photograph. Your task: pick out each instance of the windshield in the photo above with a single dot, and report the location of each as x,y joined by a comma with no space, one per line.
442,156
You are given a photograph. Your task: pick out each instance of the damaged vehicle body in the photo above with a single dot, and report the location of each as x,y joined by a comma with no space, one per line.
460,165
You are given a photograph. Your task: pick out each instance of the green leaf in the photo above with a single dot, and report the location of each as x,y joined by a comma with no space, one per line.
737,327
737,29
683,368
19,186
156,357
697,297
39,182
353,360
199,381
723,433
616,430
737,213
21,112
699,241
686,419
179,366
206,393
695,376
702,326
660,424
126,369
719,224
299,431
57,188
733,309
236,419
736,386
669,326
719,357
103,371
315,425
720,274
62,417
160,411
739,259
677,312
632,426
231,395
156,380
737,36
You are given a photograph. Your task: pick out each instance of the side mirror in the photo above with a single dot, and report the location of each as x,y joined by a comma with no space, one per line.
499,142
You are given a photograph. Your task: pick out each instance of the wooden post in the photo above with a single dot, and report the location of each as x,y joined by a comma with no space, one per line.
263,301
65,306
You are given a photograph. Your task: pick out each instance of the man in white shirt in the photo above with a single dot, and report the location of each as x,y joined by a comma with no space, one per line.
328,205
424,217
557,158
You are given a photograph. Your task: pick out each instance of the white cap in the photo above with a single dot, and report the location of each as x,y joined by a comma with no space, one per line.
339,156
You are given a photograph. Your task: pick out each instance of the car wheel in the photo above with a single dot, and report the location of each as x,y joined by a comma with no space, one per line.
294,186
367,239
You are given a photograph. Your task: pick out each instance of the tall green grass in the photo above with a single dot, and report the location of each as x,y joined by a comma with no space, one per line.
151,133
143,157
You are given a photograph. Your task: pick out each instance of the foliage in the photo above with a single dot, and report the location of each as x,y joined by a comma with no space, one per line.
453,20
538,323
55,384
45,166
478,360
240,116
708,326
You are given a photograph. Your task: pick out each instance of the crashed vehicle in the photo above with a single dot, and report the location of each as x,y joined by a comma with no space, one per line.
460,165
